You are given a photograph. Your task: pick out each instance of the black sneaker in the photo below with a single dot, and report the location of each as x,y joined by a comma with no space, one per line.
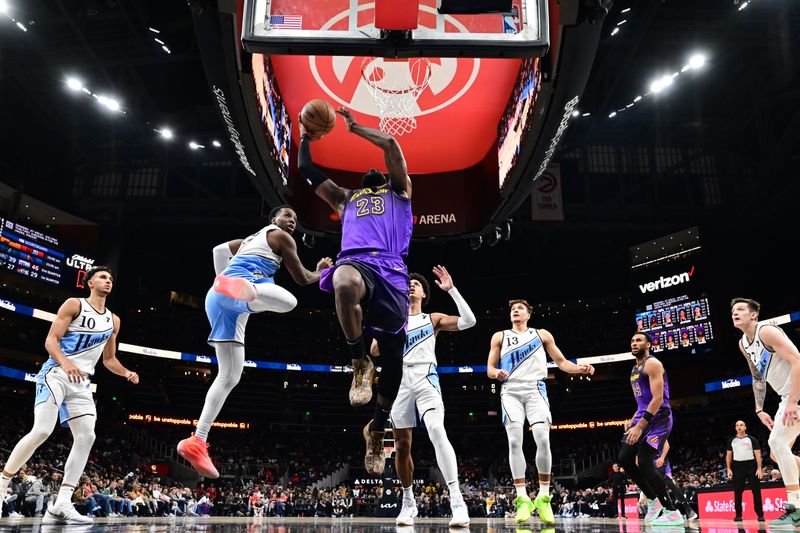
737,518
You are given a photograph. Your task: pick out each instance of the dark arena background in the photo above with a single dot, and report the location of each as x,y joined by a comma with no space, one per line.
623,166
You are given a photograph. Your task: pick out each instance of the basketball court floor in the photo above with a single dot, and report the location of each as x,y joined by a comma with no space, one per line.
363,525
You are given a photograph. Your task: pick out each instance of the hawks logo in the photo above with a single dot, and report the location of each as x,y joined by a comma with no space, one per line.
345,79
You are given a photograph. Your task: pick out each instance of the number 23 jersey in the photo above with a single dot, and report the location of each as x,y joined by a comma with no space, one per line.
523,356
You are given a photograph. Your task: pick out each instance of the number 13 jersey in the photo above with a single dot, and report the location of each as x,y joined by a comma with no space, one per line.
523,356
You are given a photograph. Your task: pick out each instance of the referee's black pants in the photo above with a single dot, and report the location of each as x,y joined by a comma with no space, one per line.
744,471
619,503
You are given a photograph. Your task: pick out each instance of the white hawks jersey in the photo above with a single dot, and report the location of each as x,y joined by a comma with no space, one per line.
777,371
523,356
86,337
420,341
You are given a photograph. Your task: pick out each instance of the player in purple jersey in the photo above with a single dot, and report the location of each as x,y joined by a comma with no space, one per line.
647,431
370,279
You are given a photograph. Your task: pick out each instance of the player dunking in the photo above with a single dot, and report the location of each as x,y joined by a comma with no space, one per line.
370,279
420,395
518,359
244,284
773,358
84,330
647,432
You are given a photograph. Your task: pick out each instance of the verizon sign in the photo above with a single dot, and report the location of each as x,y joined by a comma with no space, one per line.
719,505
668,281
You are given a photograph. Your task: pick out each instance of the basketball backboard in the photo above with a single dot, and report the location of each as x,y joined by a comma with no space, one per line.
348,27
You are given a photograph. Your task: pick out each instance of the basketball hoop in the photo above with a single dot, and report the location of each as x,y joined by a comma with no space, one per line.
395,85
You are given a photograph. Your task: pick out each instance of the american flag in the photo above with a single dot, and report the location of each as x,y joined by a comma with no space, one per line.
286,22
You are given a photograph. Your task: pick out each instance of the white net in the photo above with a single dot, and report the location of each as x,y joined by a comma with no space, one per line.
395,85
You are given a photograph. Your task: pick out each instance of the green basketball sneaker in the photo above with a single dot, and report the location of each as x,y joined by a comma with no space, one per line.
524,506
542,504
788,520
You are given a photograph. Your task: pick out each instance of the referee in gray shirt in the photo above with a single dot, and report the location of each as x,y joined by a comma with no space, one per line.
743,459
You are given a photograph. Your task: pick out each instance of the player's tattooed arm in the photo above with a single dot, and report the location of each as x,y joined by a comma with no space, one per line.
759,385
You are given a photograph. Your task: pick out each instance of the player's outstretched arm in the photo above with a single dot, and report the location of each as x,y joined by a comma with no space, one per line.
283,244
494,359
392,153
223,253
465,319
564,364
323,186
68,311
110,360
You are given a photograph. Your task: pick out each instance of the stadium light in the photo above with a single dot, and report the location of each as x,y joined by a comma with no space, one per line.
166,49
614,31
74,84
744,5
154,30
576,113
109,103
21,26
216,143
660,84
612,114
697,61
166,133
3,7
194,146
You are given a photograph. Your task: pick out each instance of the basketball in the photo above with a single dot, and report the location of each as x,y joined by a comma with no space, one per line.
318,117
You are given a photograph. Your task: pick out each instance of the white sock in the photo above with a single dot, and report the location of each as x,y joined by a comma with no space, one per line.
521,490
793,496
408,493
544,488
455,492
201,431
64,495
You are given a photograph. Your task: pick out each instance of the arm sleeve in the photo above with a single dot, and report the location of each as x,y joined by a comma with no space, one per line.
305,165
466,318
756,444
729,447
222,254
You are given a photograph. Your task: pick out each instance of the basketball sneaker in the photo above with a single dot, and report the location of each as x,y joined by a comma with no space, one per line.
375,458
542,504
654,509
524,507
64,514
668,518
460,515
236,288
790,519
195,451
361,387
407,514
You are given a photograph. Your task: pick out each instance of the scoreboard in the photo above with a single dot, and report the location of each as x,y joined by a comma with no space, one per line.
34,254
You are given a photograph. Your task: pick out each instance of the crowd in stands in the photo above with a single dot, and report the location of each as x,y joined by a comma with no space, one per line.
117,481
